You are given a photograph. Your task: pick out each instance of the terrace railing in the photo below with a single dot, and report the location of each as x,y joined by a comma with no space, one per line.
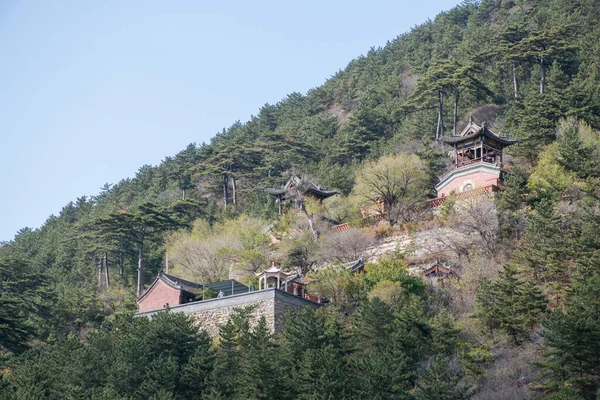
437,202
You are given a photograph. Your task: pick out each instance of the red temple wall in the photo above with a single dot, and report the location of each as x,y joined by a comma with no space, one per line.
478,179
159,296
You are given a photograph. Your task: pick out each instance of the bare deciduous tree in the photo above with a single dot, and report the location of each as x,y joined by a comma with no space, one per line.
480,217
297,194
207,260
344,246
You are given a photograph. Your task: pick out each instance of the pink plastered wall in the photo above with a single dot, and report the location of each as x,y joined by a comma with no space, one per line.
478,179
159,296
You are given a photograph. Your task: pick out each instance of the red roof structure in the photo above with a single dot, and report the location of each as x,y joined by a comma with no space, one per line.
478,160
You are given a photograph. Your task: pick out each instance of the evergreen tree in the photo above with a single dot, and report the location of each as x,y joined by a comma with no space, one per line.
510,201
315,348
196,372
22,298
572,333
222,381
510,303
146,222
261,376
574,155
441,382
381,368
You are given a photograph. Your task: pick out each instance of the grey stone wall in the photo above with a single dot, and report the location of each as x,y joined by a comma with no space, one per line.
273,304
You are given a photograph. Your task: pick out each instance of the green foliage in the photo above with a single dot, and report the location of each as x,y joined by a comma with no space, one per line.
316,355
572,356
393,269
475,358
22,298
392,186
339,285
382,368
511,201
534,63
448,207
132,358
299,254
439,381
510,304
549,179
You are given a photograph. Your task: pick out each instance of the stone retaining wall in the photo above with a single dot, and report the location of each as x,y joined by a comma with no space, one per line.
273,304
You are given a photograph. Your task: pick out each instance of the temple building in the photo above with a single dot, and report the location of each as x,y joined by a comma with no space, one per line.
282,194
477,161
279,293
169,291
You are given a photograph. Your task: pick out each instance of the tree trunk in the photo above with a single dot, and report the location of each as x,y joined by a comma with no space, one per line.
121,257
455,122
280,205
100,260
233,190
515,81
440,125
106,275
139,270
311,224
542,75
225,189
182,194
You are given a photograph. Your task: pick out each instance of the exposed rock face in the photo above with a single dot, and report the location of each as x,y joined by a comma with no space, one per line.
273,304
473,224
437,241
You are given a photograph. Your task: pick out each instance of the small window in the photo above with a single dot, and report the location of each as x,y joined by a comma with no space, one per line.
467,187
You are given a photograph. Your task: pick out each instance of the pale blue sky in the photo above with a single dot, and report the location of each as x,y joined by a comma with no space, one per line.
92,90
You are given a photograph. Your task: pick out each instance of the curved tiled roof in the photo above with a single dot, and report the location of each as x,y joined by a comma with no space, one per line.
229,286
473,130
313,189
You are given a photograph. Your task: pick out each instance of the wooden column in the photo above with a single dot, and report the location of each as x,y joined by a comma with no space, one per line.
456,155
280,206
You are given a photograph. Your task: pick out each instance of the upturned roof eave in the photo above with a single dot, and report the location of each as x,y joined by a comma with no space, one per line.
482,132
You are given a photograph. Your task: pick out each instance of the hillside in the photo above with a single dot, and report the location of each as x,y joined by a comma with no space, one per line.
520,322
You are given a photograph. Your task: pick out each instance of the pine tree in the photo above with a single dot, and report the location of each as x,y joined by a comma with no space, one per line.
196,372
573,154
160,379
572,334
224,376
541,252
511,304
261,376
510,201
145,222
22,297
315,348
381,368
440,381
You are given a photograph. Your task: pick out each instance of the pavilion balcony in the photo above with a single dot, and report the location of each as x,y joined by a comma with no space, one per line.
464,163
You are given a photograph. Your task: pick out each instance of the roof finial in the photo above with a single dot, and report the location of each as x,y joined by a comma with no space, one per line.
485,124
470,119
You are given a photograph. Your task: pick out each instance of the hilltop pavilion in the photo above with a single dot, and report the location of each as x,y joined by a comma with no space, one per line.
477,162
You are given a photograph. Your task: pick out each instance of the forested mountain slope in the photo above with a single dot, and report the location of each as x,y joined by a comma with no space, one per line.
528,67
